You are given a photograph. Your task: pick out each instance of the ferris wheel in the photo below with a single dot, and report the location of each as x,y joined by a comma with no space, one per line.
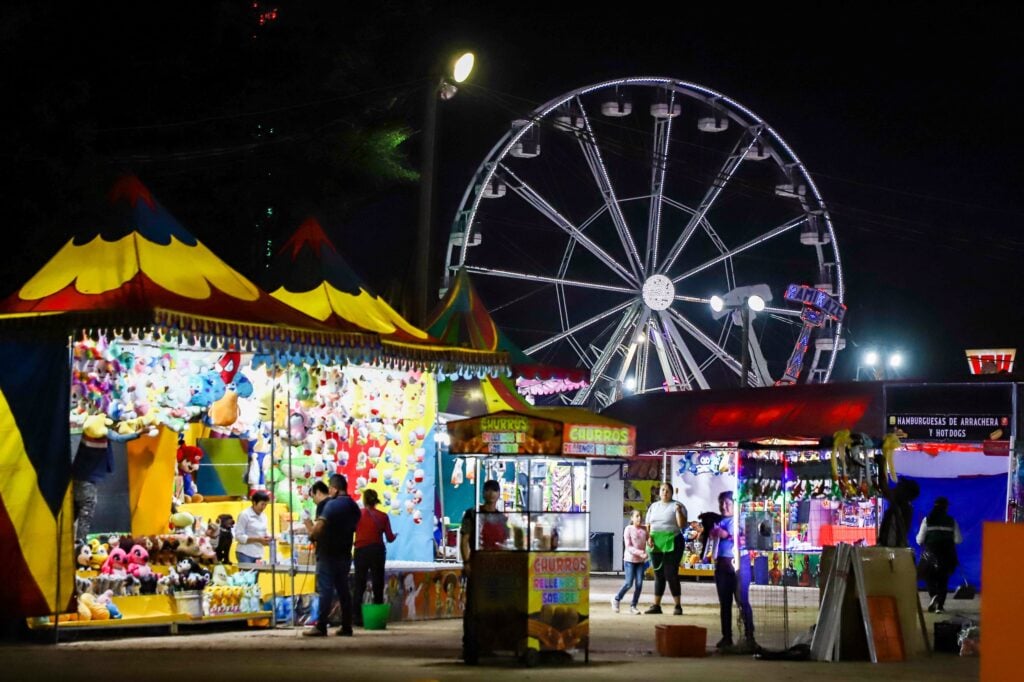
601,225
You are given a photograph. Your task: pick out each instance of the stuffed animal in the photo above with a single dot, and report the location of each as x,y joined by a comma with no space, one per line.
84,559
224,412
116,563
207,555
183,523
99,554
89,608
185,489
138,563
224,538
95,426
107,601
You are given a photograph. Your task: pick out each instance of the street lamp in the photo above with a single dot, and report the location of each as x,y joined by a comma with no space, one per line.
743,302
443,86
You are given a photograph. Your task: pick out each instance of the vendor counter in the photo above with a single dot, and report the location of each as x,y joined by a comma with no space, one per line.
416,590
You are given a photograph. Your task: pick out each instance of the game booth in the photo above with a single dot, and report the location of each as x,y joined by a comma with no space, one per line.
194,412
800,462
531,560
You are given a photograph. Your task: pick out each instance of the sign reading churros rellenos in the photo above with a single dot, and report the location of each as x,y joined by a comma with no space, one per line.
569,432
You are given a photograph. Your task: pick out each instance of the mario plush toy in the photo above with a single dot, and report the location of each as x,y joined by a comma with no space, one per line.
185,489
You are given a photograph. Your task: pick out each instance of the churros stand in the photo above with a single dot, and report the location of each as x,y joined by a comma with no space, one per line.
531,561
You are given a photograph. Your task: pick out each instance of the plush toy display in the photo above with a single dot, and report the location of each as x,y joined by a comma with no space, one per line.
84,557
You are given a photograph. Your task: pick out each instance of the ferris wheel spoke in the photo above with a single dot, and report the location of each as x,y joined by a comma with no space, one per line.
544,207
592,154
680,345
732,162
633,348
758,363
774,232
615,341
530,277
659,164
706,341
668,357
576,328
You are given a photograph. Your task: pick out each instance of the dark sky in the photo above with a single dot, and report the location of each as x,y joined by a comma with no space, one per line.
904,113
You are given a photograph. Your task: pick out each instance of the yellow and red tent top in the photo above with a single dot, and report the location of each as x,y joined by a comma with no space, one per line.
143,261
462,320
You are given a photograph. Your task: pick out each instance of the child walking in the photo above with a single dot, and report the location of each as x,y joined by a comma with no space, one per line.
635,538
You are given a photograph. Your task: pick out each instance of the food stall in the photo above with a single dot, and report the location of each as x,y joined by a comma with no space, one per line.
531,561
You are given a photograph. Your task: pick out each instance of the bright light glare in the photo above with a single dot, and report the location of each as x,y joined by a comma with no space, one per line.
463,67
640,338
630,383
717,303
756,303
895,360
871,358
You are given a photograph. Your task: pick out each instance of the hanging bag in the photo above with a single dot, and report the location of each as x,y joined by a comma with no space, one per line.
664,540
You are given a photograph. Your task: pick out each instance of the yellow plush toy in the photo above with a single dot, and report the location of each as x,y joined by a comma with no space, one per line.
96,425
841,440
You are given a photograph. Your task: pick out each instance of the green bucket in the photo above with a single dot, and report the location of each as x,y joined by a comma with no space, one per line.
375,616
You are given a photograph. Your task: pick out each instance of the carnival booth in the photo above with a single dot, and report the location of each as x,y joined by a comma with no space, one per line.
957,443
213,409
531,561
461,320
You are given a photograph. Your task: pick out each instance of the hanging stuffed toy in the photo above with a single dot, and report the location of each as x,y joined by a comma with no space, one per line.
889,446
840,441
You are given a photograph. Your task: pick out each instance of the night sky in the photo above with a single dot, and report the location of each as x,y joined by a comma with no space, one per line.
904,114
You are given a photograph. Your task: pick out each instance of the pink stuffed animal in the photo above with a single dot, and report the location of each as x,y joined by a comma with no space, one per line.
138,563
116,563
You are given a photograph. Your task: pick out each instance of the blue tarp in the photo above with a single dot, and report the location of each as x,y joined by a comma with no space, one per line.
972,502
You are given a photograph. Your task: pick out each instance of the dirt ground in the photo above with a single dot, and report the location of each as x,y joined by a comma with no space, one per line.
622,648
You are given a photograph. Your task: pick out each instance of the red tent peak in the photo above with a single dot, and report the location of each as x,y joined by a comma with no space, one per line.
131,188
310,234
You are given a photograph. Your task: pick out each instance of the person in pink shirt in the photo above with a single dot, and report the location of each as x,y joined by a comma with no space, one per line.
635,538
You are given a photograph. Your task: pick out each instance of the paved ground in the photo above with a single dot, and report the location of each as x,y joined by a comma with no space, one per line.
622,648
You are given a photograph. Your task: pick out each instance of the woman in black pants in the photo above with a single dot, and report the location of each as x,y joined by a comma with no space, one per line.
370,553
665,520
938,536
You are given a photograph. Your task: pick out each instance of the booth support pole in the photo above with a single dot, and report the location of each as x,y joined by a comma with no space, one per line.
272,371
291,534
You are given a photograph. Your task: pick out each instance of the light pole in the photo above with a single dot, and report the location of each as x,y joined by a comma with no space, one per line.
742,301
443,87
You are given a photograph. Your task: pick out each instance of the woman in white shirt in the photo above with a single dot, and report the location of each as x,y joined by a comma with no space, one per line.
251,530
665,520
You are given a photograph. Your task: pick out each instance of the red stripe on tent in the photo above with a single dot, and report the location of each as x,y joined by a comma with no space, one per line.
20,596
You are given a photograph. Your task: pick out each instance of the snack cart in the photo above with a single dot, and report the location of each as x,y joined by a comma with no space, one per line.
531,561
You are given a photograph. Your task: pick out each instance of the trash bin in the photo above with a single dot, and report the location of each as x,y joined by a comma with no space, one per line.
601,552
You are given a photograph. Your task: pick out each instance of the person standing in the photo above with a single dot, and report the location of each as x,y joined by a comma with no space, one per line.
938,536
371,553
895,527
666,519
634,537
493,534
728,585
333,532
94,459
251,530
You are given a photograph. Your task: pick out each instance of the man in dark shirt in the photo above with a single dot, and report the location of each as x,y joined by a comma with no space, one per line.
493,534
333,533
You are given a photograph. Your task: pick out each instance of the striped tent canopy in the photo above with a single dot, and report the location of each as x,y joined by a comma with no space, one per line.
461,319
310,275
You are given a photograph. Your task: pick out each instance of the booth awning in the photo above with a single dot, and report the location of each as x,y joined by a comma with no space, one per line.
546,431
805,412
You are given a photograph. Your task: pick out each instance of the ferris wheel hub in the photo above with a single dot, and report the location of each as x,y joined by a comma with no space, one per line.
658,292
